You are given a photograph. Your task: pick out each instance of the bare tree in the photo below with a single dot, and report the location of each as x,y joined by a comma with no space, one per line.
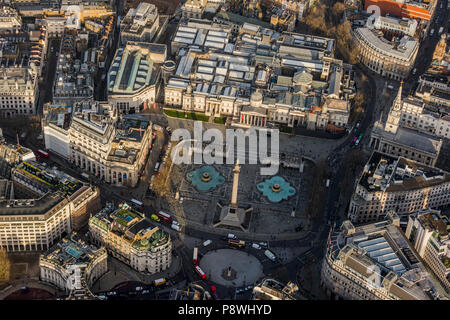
318,190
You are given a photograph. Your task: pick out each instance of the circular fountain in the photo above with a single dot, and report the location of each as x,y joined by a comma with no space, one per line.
276,189
205,178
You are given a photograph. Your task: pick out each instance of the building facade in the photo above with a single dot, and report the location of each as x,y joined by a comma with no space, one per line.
134,77
131,238
73,266
375,262
18,91
398,184
387,58
428,231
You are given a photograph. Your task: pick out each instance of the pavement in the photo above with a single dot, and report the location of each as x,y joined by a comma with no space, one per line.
246,268
118,272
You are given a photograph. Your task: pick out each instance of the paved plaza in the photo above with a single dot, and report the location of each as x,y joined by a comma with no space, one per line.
267,217
245,268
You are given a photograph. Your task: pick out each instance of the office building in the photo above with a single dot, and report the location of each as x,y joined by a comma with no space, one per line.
131,238
375,262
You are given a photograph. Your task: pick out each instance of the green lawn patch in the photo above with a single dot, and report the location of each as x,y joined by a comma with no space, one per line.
186,115
285,129
220,120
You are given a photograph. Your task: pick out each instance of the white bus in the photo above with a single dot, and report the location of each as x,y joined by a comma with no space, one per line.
137,203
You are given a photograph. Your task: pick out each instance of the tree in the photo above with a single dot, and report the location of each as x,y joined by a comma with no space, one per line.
318,189
315,20
337,11
352,163
4,266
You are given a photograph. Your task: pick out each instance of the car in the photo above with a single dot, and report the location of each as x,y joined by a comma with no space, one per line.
256,246
213,288
139,288
132,293
112,293
102,297
239,290
247,288
355,138
264,244
357,125
145,291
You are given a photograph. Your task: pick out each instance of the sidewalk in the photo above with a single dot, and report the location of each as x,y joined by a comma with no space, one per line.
119,272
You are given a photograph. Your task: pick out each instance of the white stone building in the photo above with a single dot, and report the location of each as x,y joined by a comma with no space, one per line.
43,206
375,262
73,266
18,91
131,238
134,77
387,58
140,24
401,185
428,231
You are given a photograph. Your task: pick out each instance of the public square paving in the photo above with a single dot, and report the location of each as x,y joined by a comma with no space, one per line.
246,269
267,217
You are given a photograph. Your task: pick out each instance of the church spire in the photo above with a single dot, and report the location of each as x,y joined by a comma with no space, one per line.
398,99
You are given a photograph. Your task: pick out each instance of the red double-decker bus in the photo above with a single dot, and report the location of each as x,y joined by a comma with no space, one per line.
200,273
42,154
164,216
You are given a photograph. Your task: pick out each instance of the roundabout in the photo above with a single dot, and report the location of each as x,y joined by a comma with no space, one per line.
231,267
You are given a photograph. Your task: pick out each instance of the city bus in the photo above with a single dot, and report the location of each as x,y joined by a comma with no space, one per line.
42,154
195,256
200,273
164,216
136,203
236,243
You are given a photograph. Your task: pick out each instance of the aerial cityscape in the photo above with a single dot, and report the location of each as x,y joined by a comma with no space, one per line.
224,150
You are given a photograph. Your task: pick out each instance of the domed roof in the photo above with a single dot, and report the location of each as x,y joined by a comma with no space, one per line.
302,78
257,96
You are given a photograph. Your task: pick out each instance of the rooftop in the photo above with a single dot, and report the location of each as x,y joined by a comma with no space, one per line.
404,49
135,67
390,174
412,139
132,226
380,252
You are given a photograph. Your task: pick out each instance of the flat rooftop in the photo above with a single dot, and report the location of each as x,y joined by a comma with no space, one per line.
390,174
71,250
403,50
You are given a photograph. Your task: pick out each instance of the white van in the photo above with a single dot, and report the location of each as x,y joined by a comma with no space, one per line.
232,236
156,167
256,246
207,243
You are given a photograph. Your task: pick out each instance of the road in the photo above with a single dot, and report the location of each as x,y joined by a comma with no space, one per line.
427,46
